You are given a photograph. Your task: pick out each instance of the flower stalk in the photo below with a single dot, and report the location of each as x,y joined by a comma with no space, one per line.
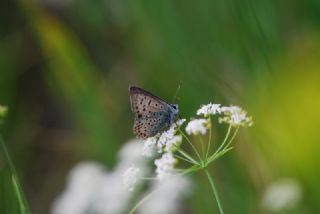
215,192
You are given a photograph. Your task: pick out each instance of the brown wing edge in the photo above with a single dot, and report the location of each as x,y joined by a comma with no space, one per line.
135,90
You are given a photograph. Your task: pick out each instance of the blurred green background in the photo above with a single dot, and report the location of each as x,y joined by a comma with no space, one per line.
65,66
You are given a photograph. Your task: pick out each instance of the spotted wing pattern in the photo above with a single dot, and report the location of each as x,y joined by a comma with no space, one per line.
151,112
149,126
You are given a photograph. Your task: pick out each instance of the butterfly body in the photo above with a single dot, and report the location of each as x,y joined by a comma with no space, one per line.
152,114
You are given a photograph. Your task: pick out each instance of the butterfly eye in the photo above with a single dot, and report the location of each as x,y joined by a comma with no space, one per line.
175,107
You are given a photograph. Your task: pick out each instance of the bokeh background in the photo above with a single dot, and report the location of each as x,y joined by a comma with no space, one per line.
65,66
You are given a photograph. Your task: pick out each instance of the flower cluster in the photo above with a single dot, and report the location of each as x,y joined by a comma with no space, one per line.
197,126
165,165
233,115
209,109
130,176
91,188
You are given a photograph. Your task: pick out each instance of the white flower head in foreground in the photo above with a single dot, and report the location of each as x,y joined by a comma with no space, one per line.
235,116
165,165
282,195
197,126
91,188
130,177
149,146
83,181
209,109
167,196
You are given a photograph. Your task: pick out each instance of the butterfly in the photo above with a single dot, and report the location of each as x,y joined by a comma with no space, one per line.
152,114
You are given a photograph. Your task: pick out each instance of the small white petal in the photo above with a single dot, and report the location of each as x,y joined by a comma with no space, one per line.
197,126
235,116
180,121
165,166
149,146
209,109
173,143
130,177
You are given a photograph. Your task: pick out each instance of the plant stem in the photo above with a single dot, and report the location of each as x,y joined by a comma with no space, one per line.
215,192
218,155
193,147
184,159
202,148
24,208
232,137
224,140
209,143
186,155
142,201
190,170
146,197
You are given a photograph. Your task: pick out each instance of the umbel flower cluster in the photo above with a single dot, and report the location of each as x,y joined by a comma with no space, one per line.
168,145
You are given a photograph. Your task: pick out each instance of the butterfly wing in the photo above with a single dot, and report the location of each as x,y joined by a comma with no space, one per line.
151,112
149,126
143,102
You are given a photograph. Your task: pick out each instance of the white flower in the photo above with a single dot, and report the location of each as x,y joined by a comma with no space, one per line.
167,196
168,138
173,143
165,165
235,116
180,122
149,146
90,188
209,109
130,177
282,195
83,180
197,126
165,137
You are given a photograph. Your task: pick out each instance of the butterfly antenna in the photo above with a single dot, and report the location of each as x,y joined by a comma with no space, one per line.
177,91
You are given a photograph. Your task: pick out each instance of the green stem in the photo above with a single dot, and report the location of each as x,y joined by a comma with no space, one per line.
184,159
209,143
190,170
24,208
224,140
181,151
233,136
144,178
187,171
193,147
142,200
221,151
202,147
218,155
215,192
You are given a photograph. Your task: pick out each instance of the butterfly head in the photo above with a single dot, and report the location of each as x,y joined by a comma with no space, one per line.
174,112
175,109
